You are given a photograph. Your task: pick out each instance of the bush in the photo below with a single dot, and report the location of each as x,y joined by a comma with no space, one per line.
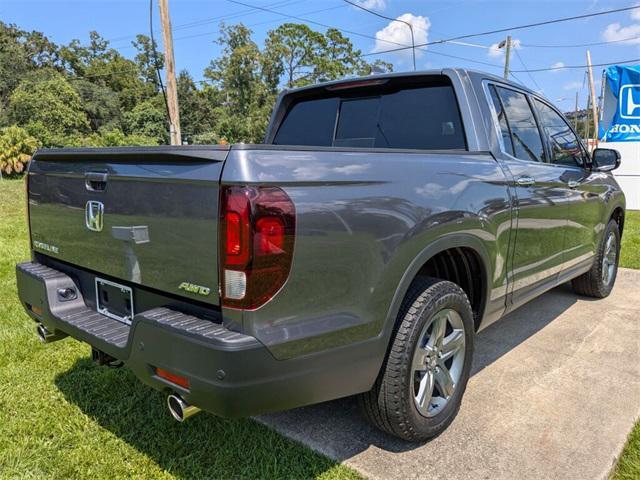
16,149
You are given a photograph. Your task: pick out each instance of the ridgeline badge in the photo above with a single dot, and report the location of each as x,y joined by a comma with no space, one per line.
46,247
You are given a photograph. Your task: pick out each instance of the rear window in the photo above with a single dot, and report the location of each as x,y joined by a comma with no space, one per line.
424,117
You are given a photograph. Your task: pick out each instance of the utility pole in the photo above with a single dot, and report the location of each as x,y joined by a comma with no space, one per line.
587,123
170,69
507,55
594,105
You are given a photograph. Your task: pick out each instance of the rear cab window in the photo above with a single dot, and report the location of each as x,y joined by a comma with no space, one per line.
415,114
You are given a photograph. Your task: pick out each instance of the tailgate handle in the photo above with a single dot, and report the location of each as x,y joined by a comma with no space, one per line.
95,181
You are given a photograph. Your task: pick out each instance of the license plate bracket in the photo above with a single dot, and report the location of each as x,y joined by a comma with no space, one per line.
114,300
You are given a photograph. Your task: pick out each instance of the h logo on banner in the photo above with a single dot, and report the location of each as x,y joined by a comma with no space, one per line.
630,101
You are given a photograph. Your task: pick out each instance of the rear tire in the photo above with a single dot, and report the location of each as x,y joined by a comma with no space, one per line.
420,387
598,282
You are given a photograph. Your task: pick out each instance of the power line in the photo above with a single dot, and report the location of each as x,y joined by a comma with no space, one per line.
580,45
198,23
518,27
514,76
632,60
261,23
413,40
377,14
313,22
242,13
324,25
419,46
434,52
526,68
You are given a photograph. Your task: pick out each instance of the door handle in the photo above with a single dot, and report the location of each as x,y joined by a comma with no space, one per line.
525,181
572,184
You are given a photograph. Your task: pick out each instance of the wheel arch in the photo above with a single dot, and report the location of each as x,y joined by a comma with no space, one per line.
618,215
463,242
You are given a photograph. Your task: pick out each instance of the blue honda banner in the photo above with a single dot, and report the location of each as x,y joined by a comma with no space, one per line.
624,84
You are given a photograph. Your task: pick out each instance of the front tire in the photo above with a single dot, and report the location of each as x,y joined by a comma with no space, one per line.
598,282
420,387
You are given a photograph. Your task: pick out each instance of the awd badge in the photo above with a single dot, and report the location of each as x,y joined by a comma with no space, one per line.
192,288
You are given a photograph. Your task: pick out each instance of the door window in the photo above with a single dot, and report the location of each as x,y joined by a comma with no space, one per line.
502,121
525,136
565,146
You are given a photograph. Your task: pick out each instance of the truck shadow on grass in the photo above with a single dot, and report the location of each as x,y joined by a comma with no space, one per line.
207,446
204,447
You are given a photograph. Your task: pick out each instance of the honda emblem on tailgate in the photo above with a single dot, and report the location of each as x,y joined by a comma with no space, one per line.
93,213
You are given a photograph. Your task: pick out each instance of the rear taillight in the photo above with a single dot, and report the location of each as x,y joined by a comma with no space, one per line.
257,234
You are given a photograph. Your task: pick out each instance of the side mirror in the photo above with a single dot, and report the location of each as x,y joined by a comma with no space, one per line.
605,159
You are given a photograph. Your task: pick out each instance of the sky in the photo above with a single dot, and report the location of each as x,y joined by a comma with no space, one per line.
196,24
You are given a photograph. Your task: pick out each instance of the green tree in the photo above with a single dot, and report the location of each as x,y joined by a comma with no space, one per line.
21,53
148,119
100,104
196,108
122,76
337,59
47,108
76,57
105,66
236,78
149,61
297,50
379,66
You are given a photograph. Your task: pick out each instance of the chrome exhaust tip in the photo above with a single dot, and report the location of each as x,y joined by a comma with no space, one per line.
180,409
47,336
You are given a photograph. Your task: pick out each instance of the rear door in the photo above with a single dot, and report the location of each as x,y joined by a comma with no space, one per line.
542,203
146,216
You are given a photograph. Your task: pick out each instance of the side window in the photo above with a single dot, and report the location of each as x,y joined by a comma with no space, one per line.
565,146
527,143
502,120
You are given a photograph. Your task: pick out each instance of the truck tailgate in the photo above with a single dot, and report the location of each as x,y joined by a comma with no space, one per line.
144,215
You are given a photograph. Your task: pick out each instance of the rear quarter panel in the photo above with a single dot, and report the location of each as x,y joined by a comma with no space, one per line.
365,221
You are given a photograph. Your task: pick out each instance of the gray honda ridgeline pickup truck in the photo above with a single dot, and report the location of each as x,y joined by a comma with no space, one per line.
358,251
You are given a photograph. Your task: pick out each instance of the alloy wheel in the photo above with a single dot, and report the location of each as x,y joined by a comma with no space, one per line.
438,361
609,259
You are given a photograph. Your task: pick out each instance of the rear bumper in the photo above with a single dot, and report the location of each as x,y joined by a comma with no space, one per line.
230,374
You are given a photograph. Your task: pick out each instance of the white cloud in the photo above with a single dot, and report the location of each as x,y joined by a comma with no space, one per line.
495,51
572,86
615,32
557,67
372,4
397,34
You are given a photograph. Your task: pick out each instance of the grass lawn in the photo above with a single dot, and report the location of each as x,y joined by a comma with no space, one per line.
61,416
628,467
630,254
